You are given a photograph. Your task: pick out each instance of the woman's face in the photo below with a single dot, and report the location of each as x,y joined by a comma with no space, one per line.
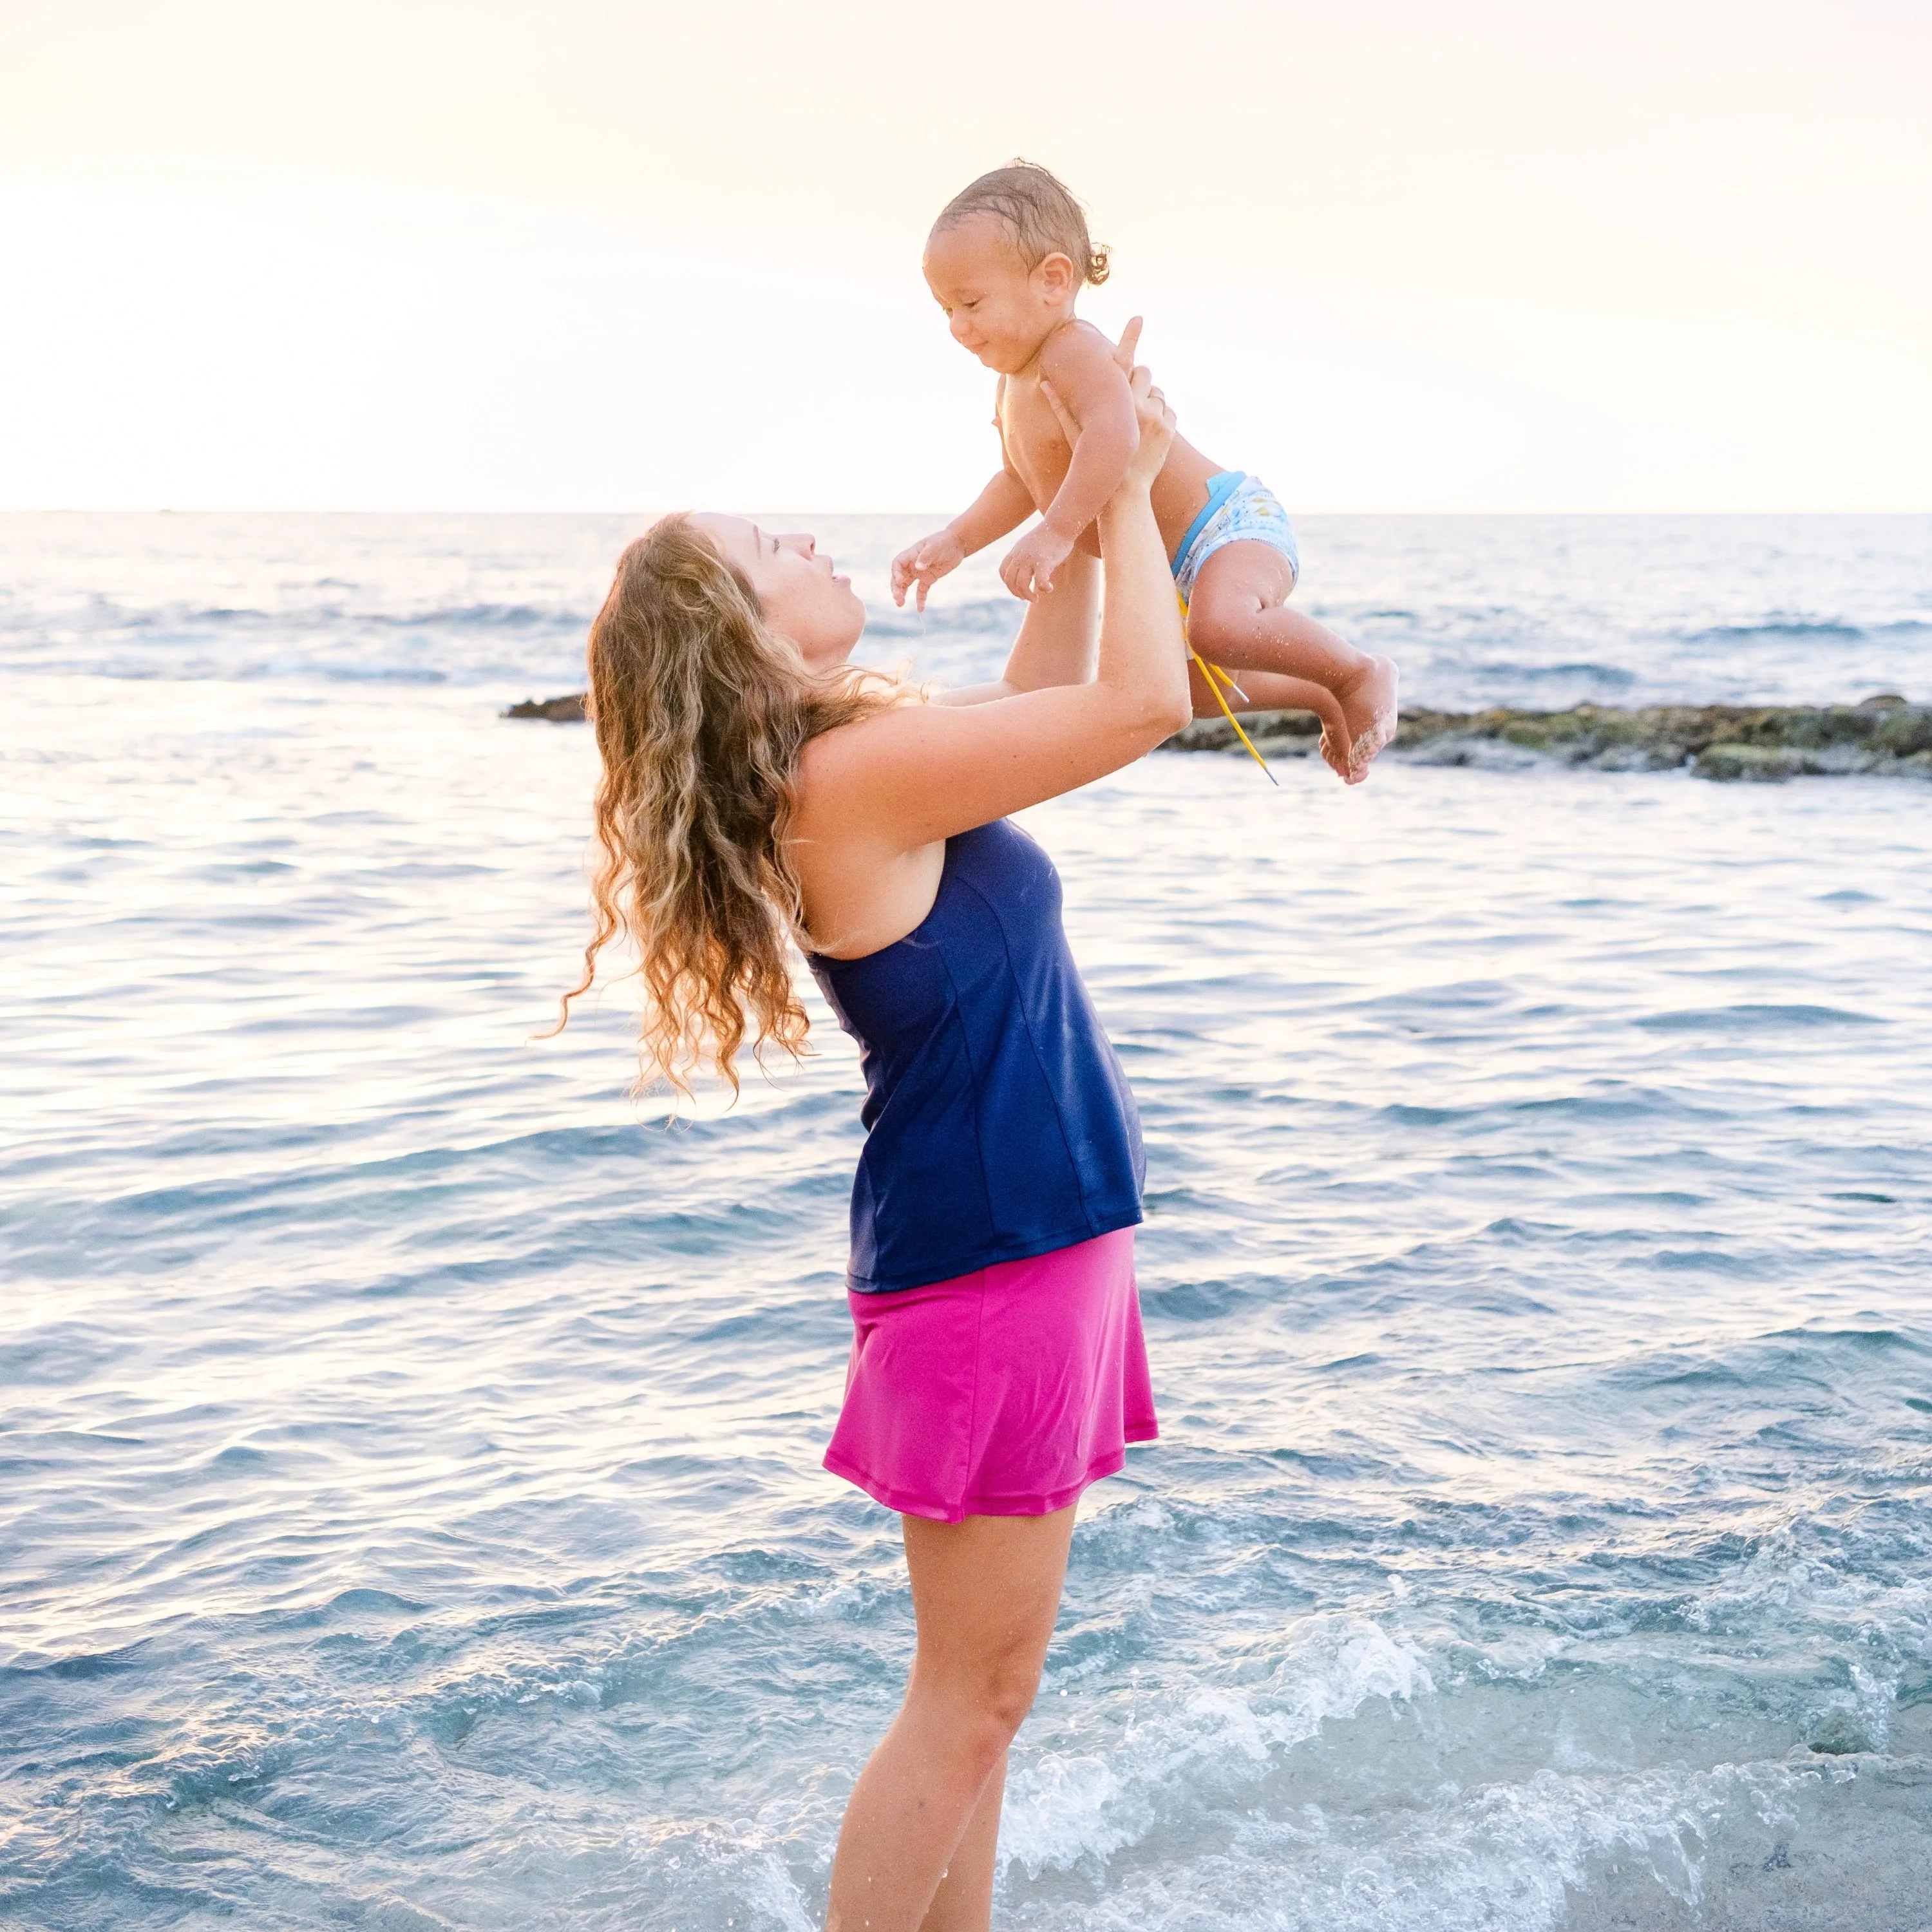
805,601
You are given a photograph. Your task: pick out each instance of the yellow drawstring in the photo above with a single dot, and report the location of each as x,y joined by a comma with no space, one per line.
1213,673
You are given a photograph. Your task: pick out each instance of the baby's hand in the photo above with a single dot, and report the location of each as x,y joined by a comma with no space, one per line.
924,564
1029,565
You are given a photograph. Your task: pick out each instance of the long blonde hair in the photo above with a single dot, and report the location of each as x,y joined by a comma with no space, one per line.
700,714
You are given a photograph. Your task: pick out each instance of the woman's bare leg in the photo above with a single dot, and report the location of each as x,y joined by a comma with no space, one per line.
963,1902
985,1594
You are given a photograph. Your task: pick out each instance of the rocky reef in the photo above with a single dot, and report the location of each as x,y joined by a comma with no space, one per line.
1884,736
557,710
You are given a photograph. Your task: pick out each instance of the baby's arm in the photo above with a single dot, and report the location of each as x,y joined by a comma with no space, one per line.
1079,370
1003,505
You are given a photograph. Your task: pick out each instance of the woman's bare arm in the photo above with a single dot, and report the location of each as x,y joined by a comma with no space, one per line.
1055,645
905,779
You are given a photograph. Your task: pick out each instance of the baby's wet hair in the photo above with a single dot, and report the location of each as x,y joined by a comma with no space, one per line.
1040,214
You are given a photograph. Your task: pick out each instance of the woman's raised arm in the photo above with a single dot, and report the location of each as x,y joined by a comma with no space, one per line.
1055,645
904,778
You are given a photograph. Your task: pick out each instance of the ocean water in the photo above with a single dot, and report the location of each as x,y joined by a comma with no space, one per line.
410,1508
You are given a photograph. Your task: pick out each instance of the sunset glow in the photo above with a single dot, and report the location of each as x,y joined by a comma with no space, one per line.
603,255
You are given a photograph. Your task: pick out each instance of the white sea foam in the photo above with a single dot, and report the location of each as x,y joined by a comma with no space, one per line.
1554,1851
1066,1809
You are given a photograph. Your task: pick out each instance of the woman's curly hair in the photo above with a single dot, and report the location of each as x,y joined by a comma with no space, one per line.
700,714
1040,214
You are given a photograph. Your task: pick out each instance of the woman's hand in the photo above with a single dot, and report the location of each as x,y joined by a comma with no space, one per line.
1157,427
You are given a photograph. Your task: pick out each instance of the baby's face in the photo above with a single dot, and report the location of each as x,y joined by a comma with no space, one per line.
997,308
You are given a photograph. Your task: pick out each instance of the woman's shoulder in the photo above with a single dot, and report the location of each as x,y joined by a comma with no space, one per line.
839,761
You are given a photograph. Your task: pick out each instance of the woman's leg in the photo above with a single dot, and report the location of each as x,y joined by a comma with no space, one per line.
963,1902
985,1595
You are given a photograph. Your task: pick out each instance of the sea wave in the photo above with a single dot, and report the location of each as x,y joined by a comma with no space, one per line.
1510,672
101,614
1804,630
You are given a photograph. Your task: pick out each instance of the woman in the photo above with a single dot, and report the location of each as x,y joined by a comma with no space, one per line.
756,786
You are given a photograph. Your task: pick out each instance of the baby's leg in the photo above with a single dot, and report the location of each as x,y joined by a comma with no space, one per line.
1273,693
1239,616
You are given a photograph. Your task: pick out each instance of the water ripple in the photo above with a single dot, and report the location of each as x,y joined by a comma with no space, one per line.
409,1506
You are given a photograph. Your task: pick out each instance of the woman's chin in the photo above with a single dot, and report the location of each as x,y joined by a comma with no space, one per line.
841,640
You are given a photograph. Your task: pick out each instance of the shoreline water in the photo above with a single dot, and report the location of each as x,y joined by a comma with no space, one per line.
414,1514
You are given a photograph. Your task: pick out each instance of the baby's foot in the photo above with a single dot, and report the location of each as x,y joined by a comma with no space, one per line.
1369,707
1334,743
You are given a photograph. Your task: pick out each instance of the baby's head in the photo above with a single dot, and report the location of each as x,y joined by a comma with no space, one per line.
1006,260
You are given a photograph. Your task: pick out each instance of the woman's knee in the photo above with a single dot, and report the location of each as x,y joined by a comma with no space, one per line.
985,1592
991,1702
1007,1699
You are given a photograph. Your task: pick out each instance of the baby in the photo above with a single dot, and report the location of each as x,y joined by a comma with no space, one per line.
1006,259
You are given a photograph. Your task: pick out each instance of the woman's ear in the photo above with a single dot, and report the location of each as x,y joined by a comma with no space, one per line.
1054,277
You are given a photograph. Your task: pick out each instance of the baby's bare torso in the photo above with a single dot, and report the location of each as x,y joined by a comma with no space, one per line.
1038,454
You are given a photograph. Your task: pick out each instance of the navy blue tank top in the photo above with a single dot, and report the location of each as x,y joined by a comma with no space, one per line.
998,1122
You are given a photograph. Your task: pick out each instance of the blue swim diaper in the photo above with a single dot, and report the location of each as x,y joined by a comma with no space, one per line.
1240,508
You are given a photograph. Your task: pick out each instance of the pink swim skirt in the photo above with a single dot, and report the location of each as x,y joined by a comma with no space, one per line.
1004,1392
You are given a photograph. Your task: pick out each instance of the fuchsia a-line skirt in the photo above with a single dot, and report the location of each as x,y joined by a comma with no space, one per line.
1004,1392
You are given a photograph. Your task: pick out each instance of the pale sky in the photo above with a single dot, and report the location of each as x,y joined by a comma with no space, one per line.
613,254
